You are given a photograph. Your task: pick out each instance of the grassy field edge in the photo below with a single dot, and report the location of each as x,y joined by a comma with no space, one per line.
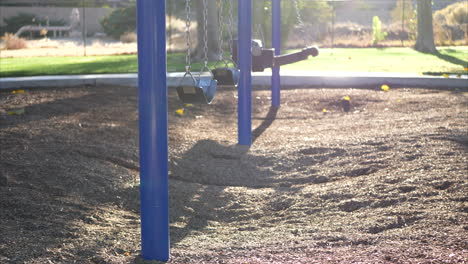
451,60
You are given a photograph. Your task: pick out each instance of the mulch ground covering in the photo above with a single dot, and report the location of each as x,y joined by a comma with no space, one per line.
385,182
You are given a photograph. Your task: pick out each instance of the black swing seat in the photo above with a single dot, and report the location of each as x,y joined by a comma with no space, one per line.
197,91
226,76
263,58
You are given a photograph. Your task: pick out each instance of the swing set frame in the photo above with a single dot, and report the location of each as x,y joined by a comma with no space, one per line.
153,129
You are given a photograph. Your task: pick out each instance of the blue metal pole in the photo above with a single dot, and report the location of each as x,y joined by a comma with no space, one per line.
244,118
276,43
153,129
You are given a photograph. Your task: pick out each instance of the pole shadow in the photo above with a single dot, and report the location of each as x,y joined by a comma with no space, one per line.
451,59
266,123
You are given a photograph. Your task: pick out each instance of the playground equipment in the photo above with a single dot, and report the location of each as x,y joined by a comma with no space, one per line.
263,58
228,76
201,89
153,109
57,30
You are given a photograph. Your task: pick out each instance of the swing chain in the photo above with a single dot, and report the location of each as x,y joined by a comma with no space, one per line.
259,32
205,37
222,24
188,59
220,33
301,22
230,31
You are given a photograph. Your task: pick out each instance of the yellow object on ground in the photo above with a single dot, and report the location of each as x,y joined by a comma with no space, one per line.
180,111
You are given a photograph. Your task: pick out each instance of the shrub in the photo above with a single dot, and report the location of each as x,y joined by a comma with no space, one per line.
455,14
2,30
129,37
13,42
120,21
377,34
451,24
460,16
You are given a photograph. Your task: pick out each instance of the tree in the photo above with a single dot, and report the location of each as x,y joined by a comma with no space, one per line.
212,31
118,22
425,38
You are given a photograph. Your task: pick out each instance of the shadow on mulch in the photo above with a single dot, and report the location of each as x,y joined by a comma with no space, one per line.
62,167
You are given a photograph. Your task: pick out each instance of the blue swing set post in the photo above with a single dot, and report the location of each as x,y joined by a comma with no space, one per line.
152,111
276,44
244,103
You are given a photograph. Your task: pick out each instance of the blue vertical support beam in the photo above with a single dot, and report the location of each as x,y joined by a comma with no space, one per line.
153,129
276,43
244,110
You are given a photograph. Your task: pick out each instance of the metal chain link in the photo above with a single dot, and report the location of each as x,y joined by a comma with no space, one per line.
301,23
231,29
259,33
220,33
205,38
188,22
258,29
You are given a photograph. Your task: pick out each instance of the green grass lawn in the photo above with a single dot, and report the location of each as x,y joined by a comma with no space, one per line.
10,67
450,60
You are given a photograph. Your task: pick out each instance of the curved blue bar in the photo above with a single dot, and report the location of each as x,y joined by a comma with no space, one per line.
244,118
276,44
153,129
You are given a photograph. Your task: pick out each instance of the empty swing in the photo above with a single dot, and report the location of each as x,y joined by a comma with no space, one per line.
228,76
202,89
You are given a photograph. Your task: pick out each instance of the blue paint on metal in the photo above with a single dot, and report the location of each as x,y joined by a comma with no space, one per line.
153,129
276,43
244,118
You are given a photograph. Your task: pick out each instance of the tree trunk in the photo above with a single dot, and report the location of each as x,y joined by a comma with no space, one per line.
425,39
212,31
